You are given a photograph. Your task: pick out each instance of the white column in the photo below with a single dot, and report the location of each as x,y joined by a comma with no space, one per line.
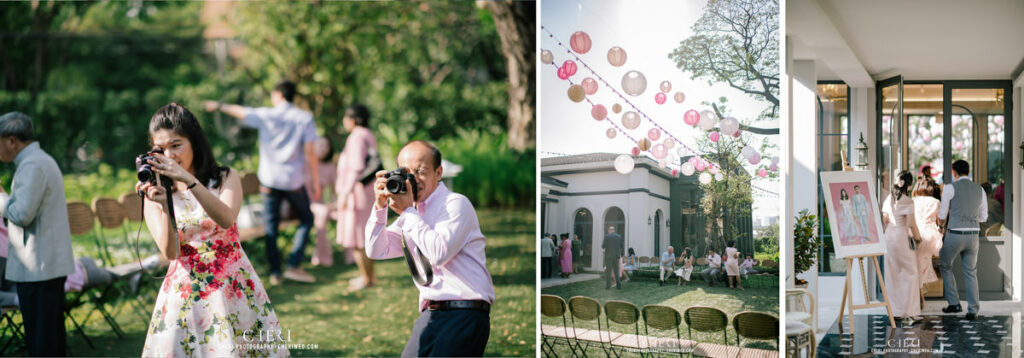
1014,149
805,146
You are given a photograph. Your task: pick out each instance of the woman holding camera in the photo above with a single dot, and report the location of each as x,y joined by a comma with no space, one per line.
211,301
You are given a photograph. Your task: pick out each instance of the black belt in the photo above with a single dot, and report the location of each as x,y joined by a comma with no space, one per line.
475,305
963,232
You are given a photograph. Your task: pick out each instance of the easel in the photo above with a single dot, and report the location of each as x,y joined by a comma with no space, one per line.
848,290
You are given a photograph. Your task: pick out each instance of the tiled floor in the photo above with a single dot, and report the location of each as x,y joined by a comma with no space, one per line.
934,336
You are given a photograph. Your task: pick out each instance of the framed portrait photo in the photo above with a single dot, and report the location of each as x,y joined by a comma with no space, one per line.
853,213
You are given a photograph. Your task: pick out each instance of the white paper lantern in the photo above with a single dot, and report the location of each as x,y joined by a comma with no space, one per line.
624,164
707,120
681,151
754,159
546,57
634,83
630,120
747,152
729,126
687,169
704,178
775,160
719,176
616,56
669,143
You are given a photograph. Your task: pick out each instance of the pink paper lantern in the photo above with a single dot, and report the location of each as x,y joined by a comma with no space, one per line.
599,112
636,151
774,167
756,158
654,134
762,173
713,169
659,151
611,133
580,42
737,134
675,172
659,98
714,136
665,86
589,85
691,117
570,67
699,165
562,74
617,56
679,97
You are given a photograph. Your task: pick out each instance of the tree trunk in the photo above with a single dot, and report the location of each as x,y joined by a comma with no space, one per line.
516,24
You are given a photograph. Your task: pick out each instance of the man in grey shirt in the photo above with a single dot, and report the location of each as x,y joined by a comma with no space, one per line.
40,257
286,137
961,210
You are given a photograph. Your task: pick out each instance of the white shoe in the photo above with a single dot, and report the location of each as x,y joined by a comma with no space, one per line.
298,274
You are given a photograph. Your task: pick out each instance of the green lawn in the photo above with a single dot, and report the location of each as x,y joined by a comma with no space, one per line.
644,291
372,322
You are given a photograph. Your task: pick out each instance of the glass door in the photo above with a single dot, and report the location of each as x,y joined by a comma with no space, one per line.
892,156
975,129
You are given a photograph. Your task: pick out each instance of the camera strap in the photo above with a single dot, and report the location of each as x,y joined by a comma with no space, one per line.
428,273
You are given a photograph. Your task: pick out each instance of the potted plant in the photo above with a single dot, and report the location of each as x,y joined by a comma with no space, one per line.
805,243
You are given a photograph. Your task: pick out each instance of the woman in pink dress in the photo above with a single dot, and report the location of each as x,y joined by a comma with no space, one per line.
732,266
323,208
212,302
901,269
926,210
565,254
355,196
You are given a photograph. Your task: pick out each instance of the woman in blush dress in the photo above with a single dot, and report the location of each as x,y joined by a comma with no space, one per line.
565,257
732,266
847,226
685,262
322,210
355,197
901,270
926,210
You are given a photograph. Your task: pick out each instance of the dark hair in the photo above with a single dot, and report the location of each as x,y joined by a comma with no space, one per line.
926,169
686,252
987,187
359,113
732,243
565,235
326,158
287,89
907,179
961,167
433,150
843,194
178,119
631,252
928,187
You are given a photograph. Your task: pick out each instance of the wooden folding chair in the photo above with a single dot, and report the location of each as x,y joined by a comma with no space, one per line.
588,309
708,319
625,313
756,325
555,306
665,318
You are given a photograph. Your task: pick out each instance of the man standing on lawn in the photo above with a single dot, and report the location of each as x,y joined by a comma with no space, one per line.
613,250
39,257
442,227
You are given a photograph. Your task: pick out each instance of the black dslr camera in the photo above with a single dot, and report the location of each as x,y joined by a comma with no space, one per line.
145,170
396,182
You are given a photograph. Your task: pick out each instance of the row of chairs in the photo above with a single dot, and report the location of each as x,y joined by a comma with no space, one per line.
647,261
751,325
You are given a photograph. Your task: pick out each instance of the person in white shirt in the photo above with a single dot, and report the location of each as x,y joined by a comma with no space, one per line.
440,227
714,268
547,251
667,259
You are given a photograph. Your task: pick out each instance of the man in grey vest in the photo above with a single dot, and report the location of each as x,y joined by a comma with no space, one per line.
962,208
40,256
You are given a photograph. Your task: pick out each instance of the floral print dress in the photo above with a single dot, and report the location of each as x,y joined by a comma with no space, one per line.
211,302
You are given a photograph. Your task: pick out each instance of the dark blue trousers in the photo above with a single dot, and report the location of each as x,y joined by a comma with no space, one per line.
272,219
42,310
454,333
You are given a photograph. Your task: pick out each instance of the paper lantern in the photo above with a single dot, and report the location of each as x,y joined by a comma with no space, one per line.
665,86
679,97
675,172
762,173
576,93
775,160
704,178
659,98
599,112
644,144
719,177
706,123
774,167
669,143
580,42
714,137
737,134
630,120
562,73
729,126
662,164
699,165
713,169
616,108
570,67
635,151
546,57
691,117
746,152
634,83
624,164
617,56
654,134
687,169
589,85
611,133
681,151
709,115
756,158
659,151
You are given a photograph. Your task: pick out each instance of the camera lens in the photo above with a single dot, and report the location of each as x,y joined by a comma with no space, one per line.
146,174
395,185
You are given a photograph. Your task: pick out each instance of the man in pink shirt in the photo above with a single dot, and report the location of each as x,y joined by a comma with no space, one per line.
443,226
